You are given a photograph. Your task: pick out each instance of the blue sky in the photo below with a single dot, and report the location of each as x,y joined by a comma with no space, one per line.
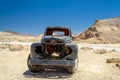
33,16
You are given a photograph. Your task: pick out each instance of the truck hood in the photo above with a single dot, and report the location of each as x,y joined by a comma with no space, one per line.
66,39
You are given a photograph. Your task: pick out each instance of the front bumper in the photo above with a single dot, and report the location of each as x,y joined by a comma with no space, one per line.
48,62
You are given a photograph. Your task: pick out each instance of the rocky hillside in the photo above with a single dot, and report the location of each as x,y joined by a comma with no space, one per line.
106,30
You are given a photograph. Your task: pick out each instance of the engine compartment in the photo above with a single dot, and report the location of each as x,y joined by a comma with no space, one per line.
54,51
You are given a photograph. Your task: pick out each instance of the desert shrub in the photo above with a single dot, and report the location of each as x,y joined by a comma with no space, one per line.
100,51
113,50
26,47
104,42
4,46
15,47
86,48
18,47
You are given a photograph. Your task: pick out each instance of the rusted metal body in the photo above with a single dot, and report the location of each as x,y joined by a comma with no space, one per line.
55,49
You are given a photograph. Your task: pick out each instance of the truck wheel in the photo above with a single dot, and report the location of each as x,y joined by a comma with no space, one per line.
72,69
32,68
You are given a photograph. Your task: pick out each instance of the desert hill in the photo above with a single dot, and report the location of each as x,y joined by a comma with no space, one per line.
106,30
10,36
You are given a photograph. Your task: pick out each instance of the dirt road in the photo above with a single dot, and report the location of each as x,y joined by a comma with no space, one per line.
91,67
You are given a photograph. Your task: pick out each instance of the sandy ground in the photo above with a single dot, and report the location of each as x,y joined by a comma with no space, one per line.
91,67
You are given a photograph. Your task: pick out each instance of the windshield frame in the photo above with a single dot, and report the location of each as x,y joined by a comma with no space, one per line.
50,31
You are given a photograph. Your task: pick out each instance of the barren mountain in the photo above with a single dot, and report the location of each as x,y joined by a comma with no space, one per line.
106,30
10,36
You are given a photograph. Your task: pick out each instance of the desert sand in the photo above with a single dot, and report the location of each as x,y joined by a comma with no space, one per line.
92,66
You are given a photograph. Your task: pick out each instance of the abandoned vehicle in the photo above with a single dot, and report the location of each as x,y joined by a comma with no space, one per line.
56,49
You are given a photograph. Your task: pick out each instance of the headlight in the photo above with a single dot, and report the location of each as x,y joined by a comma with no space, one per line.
68,50
38,49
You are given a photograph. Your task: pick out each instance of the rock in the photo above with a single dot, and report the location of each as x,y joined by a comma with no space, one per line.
118,65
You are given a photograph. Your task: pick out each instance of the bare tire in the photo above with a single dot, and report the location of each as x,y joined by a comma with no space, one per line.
32,68
72,69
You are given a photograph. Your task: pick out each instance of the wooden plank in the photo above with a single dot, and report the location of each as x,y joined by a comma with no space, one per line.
113,60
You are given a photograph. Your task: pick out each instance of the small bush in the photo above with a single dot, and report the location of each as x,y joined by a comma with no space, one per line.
86,48
26,47
113,50
15,47
100,51
4,46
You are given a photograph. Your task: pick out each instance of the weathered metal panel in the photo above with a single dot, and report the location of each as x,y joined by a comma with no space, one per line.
52,62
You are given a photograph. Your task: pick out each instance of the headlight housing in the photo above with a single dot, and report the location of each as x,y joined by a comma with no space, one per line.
68,50
38,49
